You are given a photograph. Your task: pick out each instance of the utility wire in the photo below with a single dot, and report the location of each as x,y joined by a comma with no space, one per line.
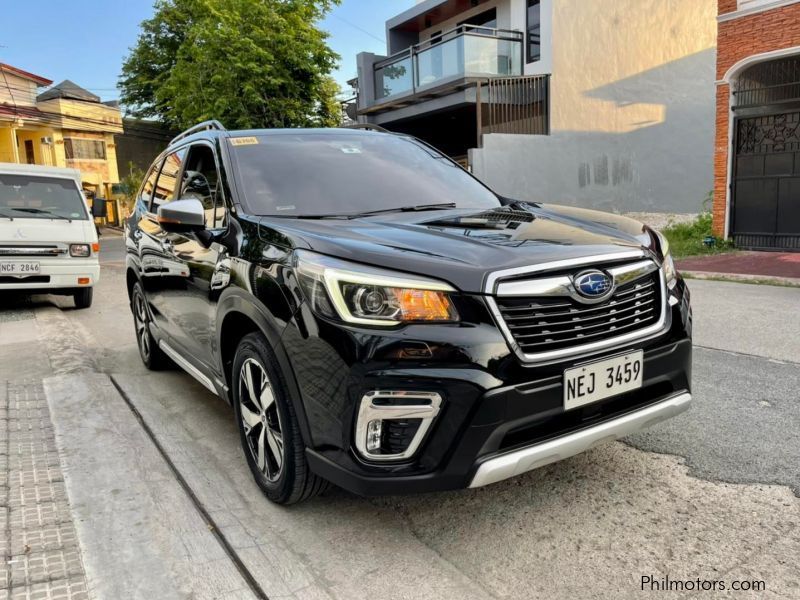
361,29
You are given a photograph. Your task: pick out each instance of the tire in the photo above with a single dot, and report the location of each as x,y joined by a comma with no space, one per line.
152,356
269,425
83,297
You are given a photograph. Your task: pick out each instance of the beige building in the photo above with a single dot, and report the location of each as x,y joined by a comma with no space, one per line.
65,126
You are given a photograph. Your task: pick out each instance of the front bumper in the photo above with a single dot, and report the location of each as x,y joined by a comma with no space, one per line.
60,274
526,459
498,417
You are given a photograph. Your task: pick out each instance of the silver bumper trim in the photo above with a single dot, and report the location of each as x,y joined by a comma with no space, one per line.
526,459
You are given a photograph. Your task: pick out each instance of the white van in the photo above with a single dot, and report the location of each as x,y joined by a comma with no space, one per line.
48,240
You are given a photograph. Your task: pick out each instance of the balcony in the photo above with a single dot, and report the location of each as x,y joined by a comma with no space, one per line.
457,55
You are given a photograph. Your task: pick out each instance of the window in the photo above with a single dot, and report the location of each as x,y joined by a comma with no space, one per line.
164,190
84,149
201,181
37,197
534,30
149,184
348,173
486,19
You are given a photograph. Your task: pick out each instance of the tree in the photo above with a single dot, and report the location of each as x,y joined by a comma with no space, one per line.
247,63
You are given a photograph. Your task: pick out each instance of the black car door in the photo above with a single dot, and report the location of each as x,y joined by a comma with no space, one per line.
161,276
206,262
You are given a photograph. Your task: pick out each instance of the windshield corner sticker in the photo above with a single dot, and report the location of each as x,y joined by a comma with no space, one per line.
244,141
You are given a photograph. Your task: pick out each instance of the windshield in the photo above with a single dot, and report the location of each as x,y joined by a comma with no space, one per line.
34,197
348,173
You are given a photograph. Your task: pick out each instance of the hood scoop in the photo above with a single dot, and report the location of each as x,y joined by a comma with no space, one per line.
500,218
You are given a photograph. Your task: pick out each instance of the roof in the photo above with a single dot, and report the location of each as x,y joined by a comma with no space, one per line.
25,74
40,170
68,90
415,13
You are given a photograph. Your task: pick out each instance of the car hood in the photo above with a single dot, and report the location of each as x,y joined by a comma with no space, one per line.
463,247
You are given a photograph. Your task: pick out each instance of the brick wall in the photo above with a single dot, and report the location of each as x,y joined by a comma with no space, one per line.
726,6
737,39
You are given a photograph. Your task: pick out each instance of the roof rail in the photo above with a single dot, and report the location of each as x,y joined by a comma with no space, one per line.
205,125
368,126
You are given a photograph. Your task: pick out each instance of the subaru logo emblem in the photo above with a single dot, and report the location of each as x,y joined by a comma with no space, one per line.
593,285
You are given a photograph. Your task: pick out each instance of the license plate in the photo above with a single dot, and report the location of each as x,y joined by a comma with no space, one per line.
602,379
19,269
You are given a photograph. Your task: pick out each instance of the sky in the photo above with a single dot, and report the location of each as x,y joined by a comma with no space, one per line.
87,40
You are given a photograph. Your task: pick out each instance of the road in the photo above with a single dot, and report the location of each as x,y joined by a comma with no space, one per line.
713,494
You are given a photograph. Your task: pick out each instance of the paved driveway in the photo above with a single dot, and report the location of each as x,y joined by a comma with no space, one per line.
708,495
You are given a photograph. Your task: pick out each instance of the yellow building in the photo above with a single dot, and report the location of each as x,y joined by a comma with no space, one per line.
65,126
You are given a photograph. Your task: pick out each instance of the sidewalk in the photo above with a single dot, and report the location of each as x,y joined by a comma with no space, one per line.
783,267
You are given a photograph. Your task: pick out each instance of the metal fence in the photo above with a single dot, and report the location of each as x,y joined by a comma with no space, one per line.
519,105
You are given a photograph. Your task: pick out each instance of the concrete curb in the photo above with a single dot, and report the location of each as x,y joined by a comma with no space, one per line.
743,278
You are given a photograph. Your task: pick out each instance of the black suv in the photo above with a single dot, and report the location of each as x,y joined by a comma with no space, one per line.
380,319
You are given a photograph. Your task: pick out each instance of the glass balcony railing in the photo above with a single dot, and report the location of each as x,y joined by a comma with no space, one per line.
466,51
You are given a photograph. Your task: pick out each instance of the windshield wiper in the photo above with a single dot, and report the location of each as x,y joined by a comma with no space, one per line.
39,211
413,208
6,215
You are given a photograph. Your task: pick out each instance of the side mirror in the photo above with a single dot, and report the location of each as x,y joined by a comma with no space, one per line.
99,208
182,216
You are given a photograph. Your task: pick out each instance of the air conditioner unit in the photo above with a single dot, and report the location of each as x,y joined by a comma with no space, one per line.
47,140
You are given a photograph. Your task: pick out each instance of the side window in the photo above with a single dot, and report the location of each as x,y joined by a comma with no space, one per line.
201,181
165,188
149,185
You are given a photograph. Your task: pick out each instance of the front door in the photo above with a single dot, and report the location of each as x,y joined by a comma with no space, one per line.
766,182
204,260
30,156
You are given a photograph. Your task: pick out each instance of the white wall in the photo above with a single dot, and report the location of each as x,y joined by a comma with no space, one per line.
632,109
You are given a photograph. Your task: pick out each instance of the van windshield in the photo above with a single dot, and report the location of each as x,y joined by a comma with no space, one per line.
35,197
348,173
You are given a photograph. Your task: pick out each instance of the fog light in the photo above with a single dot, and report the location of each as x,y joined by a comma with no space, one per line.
374,430
391,425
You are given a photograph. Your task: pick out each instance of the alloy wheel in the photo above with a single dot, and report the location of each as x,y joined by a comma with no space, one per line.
260,419
140,320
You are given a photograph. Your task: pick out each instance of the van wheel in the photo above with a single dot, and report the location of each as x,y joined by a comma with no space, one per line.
268,428
83,297
152,356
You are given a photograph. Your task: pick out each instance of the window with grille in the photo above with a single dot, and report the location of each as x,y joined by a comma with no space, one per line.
82,149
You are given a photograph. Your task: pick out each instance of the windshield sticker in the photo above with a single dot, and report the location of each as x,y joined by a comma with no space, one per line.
243,141
350,150
287,207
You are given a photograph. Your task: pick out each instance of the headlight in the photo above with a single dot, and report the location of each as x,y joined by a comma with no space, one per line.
80,250
370,296
670,272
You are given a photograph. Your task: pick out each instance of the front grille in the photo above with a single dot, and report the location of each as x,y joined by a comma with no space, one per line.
546,324
21,250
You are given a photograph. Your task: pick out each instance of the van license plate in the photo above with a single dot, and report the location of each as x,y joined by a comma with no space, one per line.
19,269
602,379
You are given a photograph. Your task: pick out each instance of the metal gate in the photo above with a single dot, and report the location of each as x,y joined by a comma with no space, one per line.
765,194
766,183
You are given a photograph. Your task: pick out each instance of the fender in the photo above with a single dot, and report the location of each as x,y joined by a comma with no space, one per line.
235,299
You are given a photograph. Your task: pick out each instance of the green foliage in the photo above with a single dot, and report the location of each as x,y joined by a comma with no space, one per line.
129,185
247,63
686,239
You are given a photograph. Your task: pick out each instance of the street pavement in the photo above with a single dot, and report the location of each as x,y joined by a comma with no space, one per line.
164,505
